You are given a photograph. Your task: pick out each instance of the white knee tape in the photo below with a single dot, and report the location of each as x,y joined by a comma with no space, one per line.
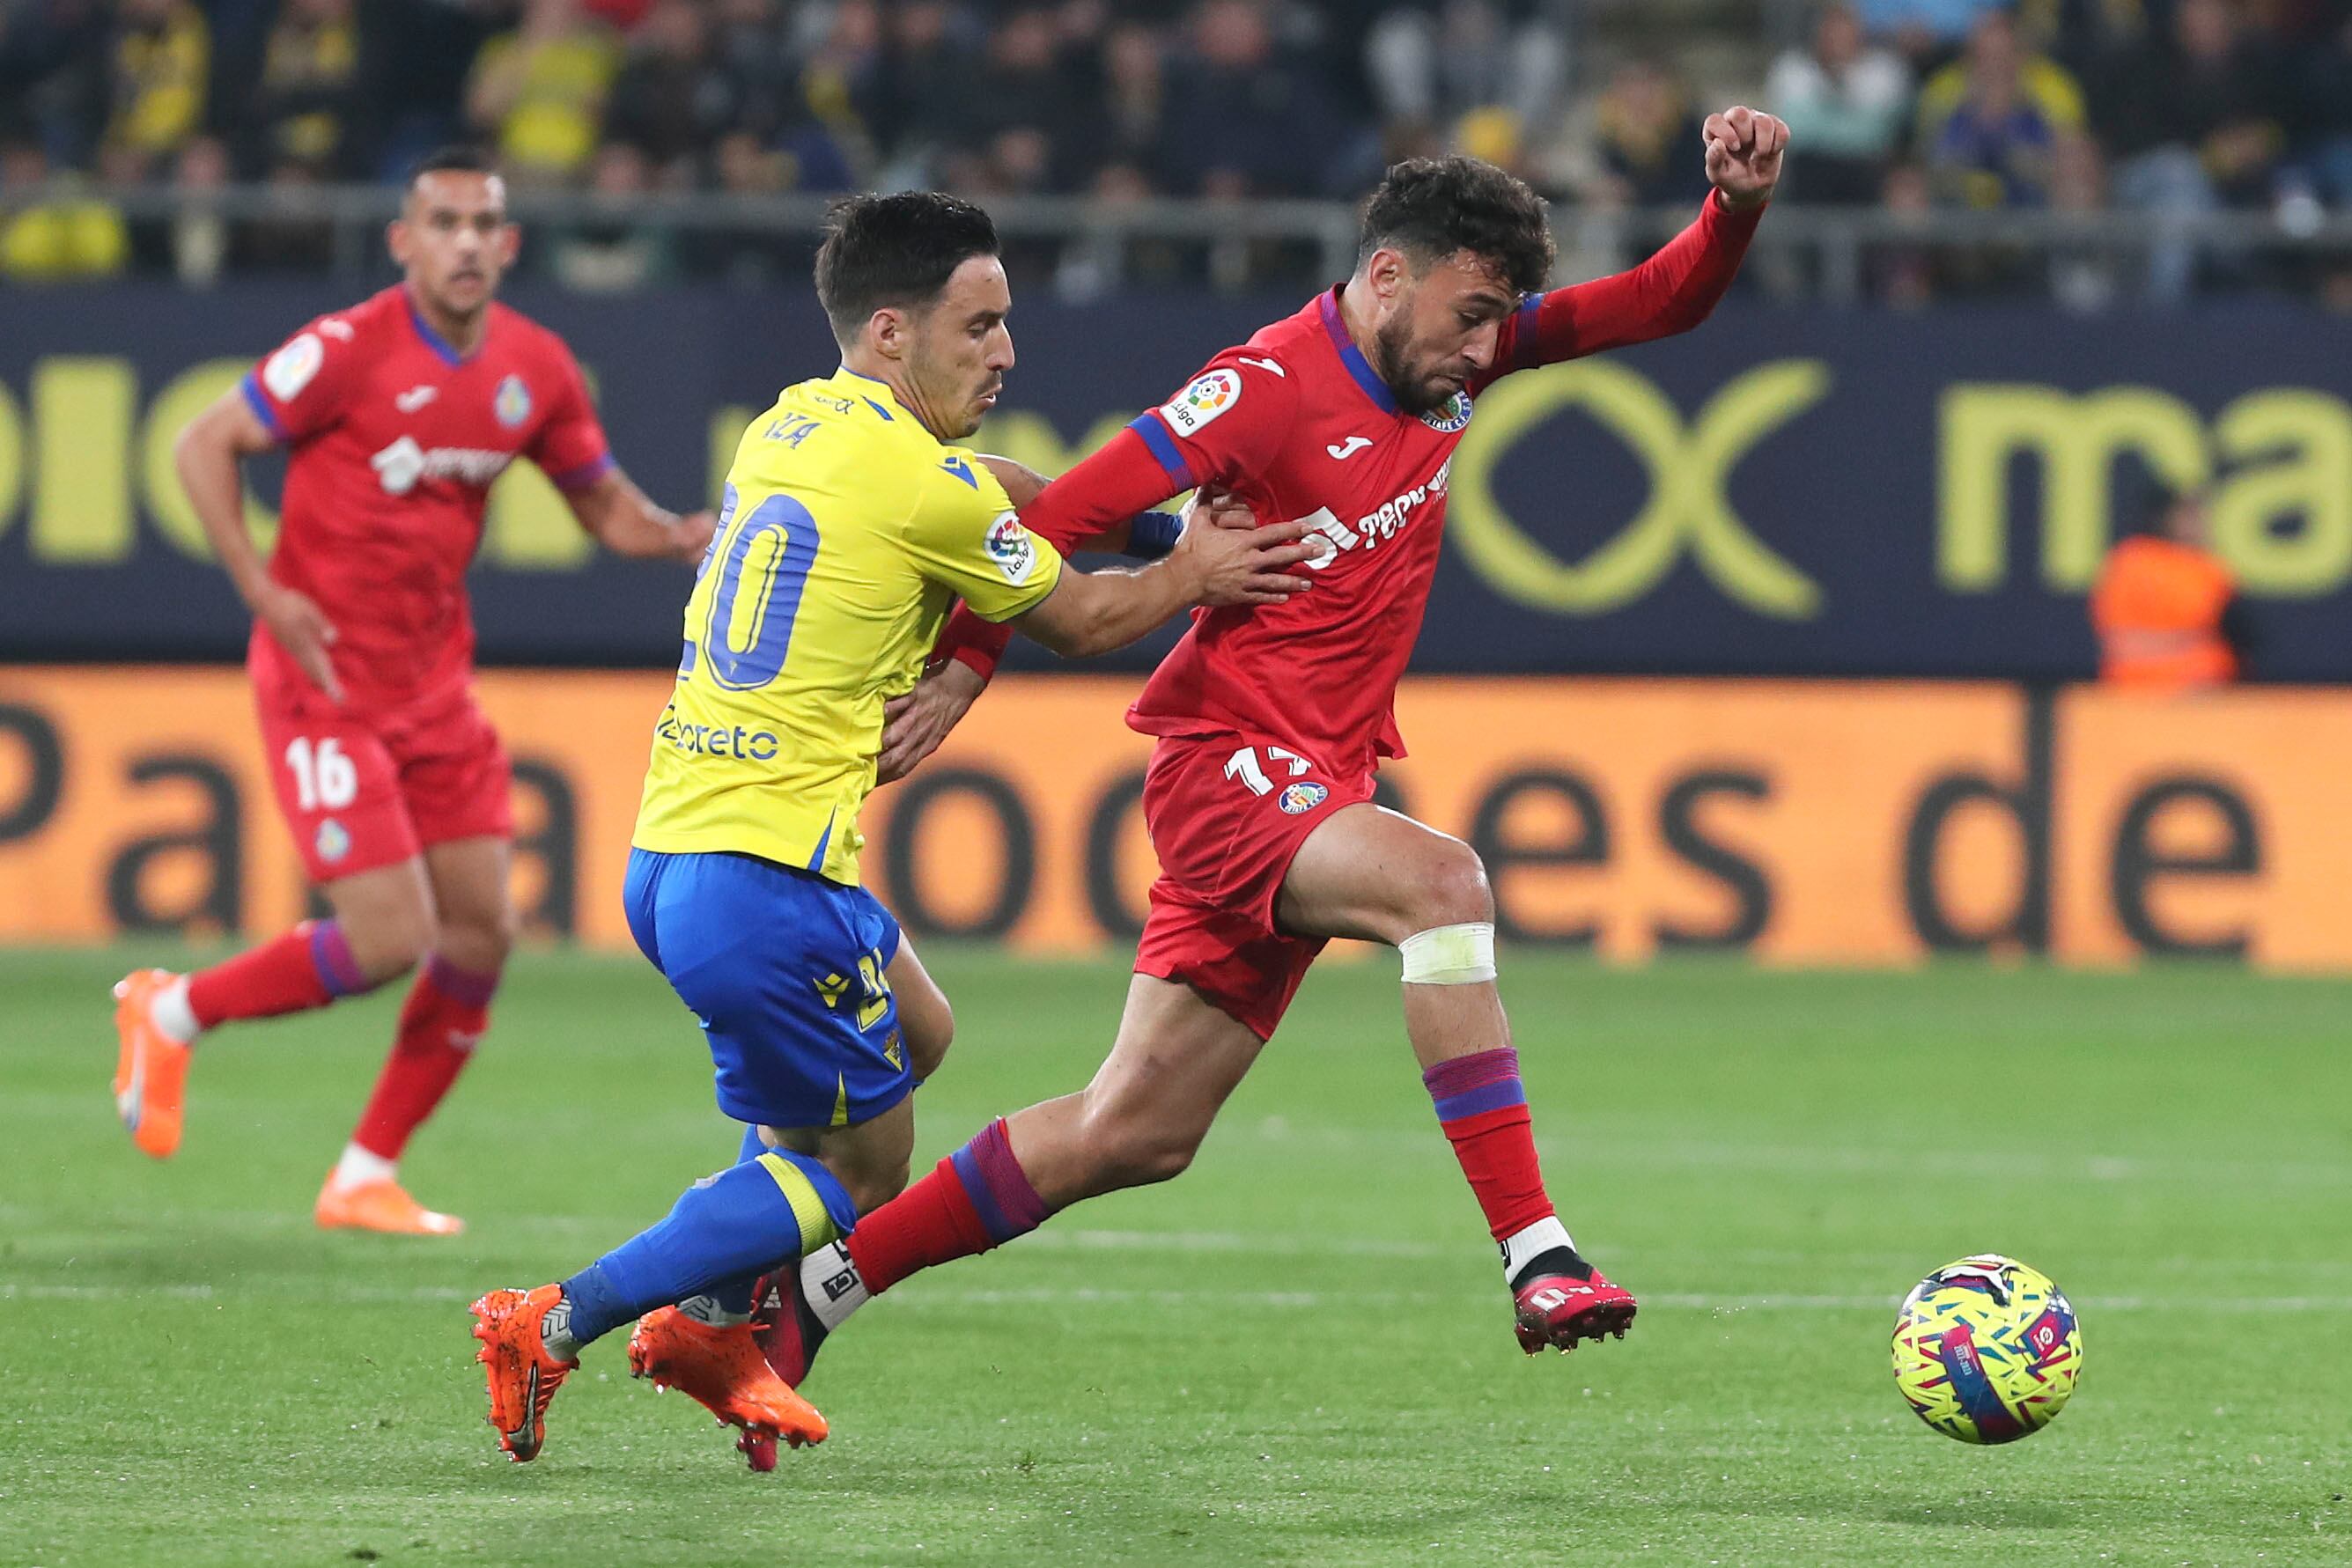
1450,955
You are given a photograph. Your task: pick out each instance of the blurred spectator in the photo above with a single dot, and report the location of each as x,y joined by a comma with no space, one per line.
2327,102
1902,273
1008,135
2085,35
1652,149
53,74
2082,277
2167,609
291,238
58,236
414,59
1990,122
924,86
1926,32
1254,124
670,104
538,92
840,82
2197,122
752,44
613,254
199,235
1435,64
300,103
1845,101
159,59
1132,118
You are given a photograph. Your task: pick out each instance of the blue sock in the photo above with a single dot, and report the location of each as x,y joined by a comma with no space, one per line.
725,1227
734,1296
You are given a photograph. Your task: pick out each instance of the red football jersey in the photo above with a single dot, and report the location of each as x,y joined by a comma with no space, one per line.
1299,425
393,441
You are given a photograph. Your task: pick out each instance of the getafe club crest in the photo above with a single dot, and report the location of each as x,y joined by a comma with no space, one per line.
1302,798
513,402
1451,417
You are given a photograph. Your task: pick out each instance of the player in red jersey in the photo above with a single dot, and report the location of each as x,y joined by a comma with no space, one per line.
397,414
1270,722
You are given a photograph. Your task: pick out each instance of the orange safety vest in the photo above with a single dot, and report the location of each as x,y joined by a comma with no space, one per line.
2157,609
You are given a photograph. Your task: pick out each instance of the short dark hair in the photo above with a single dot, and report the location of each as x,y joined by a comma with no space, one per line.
452,160
898,249
1430,208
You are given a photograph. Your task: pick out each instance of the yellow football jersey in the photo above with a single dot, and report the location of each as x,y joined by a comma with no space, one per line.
848,533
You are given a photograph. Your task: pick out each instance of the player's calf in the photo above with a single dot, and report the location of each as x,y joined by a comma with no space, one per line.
1559,1298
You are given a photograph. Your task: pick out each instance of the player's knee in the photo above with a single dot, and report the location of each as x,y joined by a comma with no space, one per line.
478,943
391,944
871,1187
1126,1151
1451,890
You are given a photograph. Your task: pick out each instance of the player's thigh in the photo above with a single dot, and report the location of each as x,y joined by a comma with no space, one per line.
785,972
387,916
476,924
924,1015
1378,875
455,776
338,786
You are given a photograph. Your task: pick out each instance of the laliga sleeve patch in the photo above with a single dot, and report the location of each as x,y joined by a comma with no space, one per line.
1012,550
1190,410
289,370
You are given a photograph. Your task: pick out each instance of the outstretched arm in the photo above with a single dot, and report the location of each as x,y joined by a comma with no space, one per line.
1673,290
626,521
1088,508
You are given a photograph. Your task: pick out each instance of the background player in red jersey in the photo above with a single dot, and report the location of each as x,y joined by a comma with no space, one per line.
1271,722
397,414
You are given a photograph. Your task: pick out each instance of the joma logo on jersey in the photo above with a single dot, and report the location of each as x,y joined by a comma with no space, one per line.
716,739
399,466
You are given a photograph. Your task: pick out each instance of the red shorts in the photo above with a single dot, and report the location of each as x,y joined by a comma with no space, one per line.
1227,814
361,791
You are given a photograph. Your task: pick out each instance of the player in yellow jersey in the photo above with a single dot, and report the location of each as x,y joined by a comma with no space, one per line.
850,527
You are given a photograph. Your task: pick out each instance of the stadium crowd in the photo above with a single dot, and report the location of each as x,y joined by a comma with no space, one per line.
2178,107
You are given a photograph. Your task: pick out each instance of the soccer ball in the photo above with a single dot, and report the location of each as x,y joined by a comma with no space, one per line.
1986,1350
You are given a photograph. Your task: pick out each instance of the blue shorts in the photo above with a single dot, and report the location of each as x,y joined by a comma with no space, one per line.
785,972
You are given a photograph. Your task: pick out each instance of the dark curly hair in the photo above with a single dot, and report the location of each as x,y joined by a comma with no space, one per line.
1430,208
898,249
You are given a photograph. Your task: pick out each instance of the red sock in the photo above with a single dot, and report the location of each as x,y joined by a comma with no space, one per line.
1484,1111
447,1011
307,968
976,1198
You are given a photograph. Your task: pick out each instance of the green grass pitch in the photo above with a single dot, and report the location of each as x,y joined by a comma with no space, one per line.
1299,1353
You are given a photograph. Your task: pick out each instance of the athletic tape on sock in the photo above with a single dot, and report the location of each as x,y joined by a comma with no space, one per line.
1460,954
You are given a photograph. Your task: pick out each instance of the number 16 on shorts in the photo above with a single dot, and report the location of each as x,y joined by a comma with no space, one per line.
324,778
1257,768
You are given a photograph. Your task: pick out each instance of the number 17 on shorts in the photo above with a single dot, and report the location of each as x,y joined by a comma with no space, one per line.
1276,771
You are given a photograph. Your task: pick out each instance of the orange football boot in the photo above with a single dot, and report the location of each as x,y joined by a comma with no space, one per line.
150,1076
522,1377
382,1206
722,1368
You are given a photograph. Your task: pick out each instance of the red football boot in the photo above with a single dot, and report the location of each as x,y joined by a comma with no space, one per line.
1560,1310
788,1334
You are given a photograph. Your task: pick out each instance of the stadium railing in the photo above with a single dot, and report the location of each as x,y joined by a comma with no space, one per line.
1825,252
